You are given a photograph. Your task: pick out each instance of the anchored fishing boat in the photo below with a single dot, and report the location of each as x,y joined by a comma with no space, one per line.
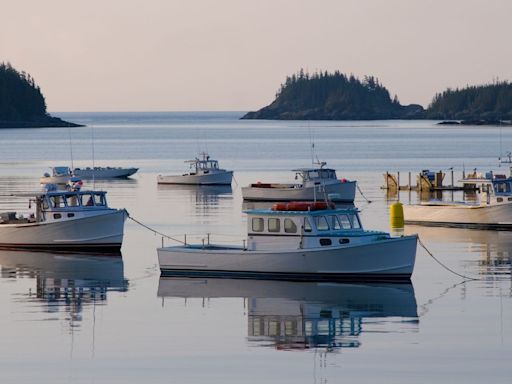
64,220
104,172
492,208
299,240
314,183
205,171
62,175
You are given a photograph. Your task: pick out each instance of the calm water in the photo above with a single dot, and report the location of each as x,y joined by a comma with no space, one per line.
84,319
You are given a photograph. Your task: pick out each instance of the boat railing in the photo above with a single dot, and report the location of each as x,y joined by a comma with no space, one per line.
206,239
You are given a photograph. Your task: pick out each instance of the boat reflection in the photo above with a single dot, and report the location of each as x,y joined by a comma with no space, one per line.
494,248
296,315
65,282
202,197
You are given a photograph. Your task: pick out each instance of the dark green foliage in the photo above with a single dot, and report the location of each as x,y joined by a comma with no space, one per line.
333,96
22,104
491,102
20,97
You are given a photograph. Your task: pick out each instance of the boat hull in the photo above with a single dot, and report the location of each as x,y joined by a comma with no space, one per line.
340,192
102,232
498,216
214,178
104,173
390,259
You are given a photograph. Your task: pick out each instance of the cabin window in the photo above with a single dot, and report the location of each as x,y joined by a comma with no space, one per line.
334,222
345,222
502,187
71,215
307,225
57,215
99,199
356,224
290,226
87,200
257,224
57,202
72,200
324,242
274,225
499,199
321,223
344,241
313,175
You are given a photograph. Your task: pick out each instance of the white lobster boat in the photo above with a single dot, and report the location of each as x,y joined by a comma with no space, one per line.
205,171
491,210
65,220
299,240
316,183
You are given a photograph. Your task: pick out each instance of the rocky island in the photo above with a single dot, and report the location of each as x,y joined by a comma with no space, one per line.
22,105
334,96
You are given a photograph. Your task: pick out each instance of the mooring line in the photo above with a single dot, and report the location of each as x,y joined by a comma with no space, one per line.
444,266
362,194
155,231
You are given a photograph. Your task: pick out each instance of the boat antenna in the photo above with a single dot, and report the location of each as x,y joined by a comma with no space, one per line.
499,159
93,162
71,148
311,144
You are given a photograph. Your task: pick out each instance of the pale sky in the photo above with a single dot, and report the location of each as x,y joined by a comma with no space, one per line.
205,55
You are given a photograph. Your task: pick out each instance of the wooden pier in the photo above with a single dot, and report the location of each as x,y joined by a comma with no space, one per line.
425,181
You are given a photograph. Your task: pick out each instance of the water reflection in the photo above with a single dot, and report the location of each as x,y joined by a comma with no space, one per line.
65,282
202,197
493,248
296,315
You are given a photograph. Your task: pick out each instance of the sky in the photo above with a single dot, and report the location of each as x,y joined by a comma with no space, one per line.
232,55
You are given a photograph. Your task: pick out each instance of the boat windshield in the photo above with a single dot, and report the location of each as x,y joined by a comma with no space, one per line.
502,187
61,171
319,174
209,164
73,200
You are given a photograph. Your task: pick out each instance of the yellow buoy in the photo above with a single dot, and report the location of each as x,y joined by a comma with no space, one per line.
396,215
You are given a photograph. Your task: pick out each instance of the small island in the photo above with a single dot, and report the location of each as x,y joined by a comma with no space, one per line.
22,105
334,96
489,104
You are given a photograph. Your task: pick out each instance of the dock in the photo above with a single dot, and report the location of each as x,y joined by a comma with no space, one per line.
425,181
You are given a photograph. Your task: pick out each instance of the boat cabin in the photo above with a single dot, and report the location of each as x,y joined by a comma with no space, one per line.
204,165
315,175
294,229
59,205
61,171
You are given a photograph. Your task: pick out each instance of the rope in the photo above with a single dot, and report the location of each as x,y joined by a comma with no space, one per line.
362,194
155,231
444,266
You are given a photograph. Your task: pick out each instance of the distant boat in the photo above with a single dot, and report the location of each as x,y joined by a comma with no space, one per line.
299,240
104,172
65,220
315,183
491,210
63,175
205,171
